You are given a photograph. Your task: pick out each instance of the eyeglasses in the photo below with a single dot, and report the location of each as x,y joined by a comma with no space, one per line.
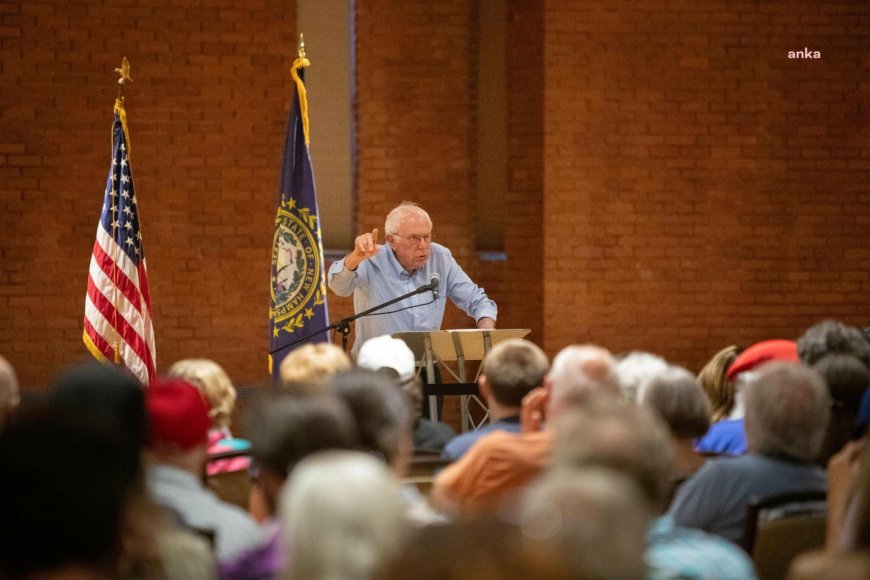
416,239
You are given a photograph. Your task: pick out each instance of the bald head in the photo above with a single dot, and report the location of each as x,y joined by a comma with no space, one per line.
9,394
580,373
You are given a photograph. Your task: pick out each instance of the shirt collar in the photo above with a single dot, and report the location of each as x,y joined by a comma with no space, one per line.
513,419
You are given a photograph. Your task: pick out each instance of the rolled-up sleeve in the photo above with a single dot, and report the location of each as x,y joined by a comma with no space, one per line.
469,296
341,280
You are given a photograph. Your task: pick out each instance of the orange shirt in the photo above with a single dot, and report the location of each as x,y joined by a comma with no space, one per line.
497,464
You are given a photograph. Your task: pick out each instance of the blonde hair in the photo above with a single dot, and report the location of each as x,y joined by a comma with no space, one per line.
717,386
213,382
307,369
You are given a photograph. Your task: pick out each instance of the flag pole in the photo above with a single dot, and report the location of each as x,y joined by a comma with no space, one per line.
124,76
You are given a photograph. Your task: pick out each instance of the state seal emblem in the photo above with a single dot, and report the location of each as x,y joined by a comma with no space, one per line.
296,266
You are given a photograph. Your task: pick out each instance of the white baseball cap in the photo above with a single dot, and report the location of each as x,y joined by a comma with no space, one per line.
387,352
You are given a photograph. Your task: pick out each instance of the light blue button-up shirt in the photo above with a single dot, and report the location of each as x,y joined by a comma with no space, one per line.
381,278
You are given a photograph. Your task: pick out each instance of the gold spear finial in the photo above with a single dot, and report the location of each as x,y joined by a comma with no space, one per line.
301,50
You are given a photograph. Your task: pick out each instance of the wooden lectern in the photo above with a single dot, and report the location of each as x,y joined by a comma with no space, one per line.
438,347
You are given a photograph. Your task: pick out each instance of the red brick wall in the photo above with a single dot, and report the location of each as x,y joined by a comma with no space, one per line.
207,112
701,188
676,183
522,298
415,121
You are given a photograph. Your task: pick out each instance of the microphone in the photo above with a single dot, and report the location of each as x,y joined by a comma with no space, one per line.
434,280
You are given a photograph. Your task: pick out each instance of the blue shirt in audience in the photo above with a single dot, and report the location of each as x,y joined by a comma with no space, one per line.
716,498
457,446
674,552
725,437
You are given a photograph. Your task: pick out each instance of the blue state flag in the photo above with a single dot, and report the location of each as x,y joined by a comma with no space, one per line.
298,307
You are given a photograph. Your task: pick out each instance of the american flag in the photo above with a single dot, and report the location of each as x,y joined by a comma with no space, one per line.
117,325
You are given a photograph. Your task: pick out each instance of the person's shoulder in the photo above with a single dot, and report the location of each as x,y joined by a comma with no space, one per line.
440,251
688,552
460,444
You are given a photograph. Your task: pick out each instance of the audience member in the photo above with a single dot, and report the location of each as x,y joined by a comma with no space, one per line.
343,516
596,519
178,431
384,422
394,357
508,372
634,441
220,394
843,470
501,463
719,388
485,548
847,379
382,414
635,369
851,559
829,337
787,409
308,369
63,490
728,436
677,397
283,430
10,397
113,402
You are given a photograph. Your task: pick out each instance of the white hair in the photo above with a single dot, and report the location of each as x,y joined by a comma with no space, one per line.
580,372
636,370
343,515
398,214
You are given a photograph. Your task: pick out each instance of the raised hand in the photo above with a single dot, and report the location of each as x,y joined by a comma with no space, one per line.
364,247
533,410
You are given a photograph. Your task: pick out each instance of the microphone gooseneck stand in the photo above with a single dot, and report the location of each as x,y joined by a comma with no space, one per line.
343,325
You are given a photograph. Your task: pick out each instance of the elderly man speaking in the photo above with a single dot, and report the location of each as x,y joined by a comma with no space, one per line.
376,274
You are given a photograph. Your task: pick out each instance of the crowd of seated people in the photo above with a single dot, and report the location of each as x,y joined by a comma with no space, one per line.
597,465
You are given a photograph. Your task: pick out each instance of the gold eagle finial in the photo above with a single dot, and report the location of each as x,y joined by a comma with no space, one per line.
124,71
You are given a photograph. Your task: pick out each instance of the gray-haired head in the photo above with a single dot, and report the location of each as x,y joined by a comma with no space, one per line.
787,411
580,373
676,395
830,336
343,515
596,517
628,438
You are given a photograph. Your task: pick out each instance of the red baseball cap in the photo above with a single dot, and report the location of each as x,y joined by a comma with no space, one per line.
762,352
177,415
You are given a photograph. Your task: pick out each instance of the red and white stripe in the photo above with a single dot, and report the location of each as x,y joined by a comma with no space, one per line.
118,309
